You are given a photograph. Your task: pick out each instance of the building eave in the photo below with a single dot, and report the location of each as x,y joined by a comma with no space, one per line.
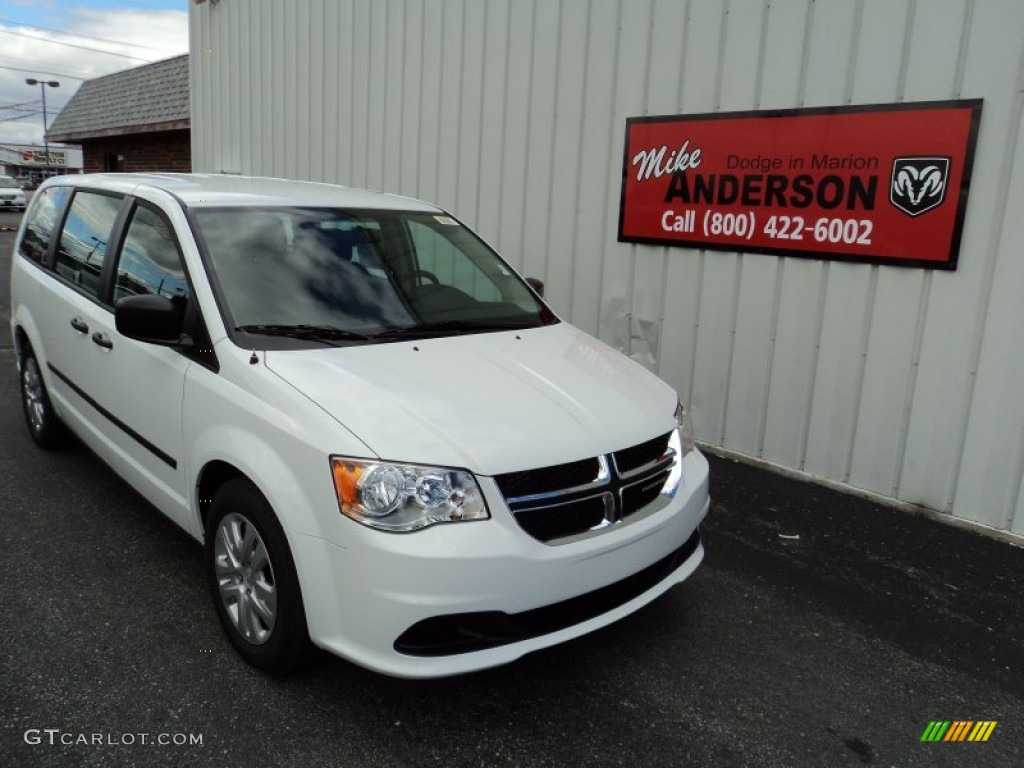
121,130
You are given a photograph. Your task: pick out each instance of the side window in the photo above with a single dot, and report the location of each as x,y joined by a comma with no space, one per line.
41,221
84,239
150,261
438,255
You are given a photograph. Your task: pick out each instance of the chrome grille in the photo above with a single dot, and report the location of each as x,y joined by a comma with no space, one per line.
583,497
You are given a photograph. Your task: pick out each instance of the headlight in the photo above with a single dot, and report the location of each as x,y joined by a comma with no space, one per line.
405,497
685,424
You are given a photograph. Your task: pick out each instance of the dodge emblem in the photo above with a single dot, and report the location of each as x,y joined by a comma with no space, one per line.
918,183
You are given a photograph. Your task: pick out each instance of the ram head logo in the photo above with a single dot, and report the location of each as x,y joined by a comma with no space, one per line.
918,183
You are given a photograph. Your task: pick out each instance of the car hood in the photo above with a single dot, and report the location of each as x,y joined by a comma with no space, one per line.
488,402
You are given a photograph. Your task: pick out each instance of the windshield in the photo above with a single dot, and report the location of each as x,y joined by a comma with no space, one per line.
353,276
8,182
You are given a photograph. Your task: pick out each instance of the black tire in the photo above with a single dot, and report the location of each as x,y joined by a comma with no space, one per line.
278,646
45,427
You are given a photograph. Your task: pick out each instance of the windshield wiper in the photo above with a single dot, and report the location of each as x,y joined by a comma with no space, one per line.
449,328
321,333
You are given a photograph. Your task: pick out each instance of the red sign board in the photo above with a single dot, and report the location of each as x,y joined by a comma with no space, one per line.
882,183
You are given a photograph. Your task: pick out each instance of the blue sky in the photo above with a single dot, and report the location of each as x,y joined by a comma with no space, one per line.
73,40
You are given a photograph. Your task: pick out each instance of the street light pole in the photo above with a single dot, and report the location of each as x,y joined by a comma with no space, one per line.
42,89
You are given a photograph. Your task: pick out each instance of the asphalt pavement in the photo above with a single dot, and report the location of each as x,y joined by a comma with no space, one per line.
821,630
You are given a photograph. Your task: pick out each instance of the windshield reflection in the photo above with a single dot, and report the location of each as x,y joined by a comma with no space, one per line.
366,272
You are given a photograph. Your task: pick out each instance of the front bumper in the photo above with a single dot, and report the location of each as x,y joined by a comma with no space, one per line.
403,604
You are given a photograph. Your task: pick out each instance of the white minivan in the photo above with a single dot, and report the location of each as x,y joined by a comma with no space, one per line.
386,441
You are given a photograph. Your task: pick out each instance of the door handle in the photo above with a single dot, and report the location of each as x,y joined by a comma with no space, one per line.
102,340
79,325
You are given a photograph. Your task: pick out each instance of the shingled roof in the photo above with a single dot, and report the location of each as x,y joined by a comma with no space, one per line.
153,97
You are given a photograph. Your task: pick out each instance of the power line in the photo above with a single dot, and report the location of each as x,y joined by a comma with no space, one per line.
44,72
21,104
77,34
73,45
19,117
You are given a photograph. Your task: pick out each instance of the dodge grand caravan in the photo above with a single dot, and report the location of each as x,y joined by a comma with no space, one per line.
386,441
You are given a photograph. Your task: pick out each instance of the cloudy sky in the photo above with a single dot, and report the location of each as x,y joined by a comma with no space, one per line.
74,40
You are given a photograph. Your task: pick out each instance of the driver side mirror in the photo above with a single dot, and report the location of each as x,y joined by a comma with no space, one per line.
150,318
537,285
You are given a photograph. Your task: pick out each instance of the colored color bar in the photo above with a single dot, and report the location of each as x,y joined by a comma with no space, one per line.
990,726
959,730
935,730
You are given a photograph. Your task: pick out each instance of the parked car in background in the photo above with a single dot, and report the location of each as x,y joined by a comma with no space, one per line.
11,194
385,439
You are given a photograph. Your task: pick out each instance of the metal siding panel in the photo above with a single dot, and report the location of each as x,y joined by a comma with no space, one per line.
828,53
793,361
756,309
891,349
517,111
942,389
312,138
359,97
430,104
1017,525
715,327
994,446
303,91
685,298
741,41
882,34
751,356
447,150
824,76
199,83
663,78
601,153
540,144
785,40
392,97
837,381
992,457
412,88
279,75
377,64
471,143
680,278
935,36
891,358
326,134
616,289
740,80
566,159
494,71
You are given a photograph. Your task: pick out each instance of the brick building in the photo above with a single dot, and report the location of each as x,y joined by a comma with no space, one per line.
136,120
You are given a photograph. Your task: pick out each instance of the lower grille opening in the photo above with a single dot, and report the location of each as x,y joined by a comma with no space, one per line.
467,632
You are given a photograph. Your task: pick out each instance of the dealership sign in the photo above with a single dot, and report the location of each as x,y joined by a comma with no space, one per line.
38,157
883,183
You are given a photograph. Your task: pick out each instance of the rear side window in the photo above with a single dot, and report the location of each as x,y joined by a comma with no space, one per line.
41,221
84,239
150,259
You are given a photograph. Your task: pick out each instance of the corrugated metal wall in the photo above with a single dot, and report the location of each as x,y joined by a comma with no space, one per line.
511,114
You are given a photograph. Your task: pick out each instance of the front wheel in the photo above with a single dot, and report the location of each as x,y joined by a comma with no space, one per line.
45,427
252,579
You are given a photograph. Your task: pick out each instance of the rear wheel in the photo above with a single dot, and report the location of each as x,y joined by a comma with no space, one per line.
46,429
252,579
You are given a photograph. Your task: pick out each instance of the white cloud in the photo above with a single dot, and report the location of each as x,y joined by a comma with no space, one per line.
165,33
